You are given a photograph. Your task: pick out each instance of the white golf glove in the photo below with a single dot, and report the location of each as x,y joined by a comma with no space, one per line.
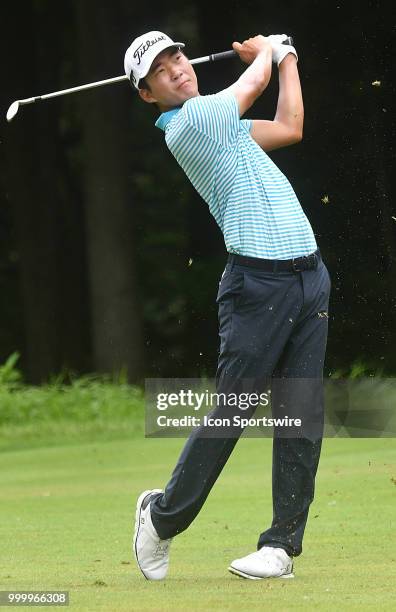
279,51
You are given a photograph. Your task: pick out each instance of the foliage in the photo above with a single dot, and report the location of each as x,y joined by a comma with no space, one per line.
61,412
359,369
10,376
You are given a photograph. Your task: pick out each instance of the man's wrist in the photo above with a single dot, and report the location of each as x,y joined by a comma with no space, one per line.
265,52
289,59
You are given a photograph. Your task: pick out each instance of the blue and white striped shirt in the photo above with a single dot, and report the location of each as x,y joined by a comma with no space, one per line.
252,201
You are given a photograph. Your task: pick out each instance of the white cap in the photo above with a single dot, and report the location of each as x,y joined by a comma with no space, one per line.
143,51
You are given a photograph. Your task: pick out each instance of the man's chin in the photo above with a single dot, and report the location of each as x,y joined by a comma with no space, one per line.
193,94
189,92
179,101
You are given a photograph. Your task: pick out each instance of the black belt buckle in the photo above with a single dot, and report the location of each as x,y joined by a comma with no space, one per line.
306,262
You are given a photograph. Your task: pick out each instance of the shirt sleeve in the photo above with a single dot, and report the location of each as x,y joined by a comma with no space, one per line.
247,124
216,116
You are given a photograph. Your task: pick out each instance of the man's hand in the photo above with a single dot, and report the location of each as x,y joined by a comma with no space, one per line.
279,51
250,48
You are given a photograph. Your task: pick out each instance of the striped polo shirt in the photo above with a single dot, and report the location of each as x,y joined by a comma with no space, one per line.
251,200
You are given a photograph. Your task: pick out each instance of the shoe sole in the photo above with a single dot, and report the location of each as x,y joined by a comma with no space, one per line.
139,505
237,572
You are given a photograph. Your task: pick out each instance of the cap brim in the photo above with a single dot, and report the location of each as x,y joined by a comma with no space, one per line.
177,45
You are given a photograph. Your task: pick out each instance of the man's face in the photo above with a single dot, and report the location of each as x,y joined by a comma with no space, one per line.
171,79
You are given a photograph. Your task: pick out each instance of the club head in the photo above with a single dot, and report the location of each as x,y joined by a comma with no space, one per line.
12,111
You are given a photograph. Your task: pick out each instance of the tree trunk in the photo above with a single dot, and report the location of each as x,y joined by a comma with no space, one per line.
116,325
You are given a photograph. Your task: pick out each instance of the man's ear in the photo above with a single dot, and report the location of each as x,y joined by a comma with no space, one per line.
147,96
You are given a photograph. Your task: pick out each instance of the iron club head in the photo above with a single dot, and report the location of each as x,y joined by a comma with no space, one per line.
12,111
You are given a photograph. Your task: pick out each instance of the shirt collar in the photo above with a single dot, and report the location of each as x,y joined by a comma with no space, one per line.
164,119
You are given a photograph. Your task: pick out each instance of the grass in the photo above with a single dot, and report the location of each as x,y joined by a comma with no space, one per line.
74,460
66,520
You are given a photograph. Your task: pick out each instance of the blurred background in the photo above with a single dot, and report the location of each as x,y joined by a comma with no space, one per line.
108,258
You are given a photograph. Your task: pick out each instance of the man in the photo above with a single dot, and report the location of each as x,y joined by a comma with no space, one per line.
273,296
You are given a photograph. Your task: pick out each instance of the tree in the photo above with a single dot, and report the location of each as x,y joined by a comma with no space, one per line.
116,326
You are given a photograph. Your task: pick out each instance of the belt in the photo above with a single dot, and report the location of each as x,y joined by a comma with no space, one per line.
297,264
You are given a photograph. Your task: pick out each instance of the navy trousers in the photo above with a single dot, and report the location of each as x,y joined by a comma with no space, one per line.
272,325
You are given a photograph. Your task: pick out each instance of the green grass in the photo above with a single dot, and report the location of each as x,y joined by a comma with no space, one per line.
74,460
66,519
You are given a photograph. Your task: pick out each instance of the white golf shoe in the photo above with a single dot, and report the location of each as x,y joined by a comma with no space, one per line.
152,553
267,562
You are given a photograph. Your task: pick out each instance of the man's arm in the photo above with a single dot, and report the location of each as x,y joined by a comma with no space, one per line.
287,126
257,52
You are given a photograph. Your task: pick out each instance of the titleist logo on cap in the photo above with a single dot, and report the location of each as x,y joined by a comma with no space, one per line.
141,50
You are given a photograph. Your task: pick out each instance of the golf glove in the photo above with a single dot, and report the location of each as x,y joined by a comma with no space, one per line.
279,51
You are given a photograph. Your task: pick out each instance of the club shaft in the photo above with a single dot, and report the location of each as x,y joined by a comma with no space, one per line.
118,79
123,77
63,92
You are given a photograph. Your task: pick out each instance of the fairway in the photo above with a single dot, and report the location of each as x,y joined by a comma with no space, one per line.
66,521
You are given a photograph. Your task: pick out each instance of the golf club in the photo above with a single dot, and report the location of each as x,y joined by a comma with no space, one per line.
13,109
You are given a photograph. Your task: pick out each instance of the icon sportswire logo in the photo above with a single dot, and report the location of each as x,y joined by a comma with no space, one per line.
145,46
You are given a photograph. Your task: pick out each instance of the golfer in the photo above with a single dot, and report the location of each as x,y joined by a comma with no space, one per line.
272,299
